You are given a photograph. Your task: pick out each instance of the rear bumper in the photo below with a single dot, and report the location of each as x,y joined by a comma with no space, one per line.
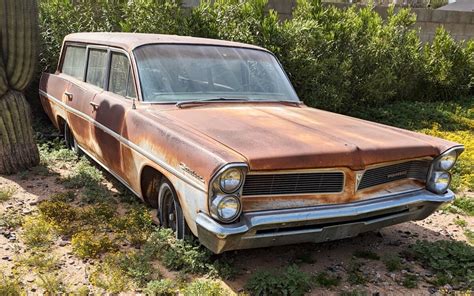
317,224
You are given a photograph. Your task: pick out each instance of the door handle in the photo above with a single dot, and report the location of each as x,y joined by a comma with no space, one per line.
68,95
94,105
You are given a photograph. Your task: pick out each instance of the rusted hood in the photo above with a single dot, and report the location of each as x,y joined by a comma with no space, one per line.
279,137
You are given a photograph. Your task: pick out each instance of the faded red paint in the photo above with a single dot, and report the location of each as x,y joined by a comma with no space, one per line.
266,136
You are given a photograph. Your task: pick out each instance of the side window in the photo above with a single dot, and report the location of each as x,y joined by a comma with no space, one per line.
96,67
121,80
74,61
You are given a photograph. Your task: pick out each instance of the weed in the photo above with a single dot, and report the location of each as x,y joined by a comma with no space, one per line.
52,152
410,281
204,288
323,279
90,244
460,222
135,226
66,196
291,282
11,220
138,267
164,287
354,274
37,232
39,261
9,286
82,291
110,276
186,257
469,235
393,263
451,261
90,178
462,205
60,214
50,283
7,193
365,254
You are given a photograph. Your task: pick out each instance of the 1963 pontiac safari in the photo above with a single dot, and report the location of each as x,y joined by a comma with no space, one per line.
212,134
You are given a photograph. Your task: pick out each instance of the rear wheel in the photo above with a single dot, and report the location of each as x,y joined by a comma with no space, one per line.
170,212
70,140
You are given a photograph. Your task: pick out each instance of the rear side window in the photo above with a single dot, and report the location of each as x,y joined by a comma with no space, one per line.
96,67
74,61
121,80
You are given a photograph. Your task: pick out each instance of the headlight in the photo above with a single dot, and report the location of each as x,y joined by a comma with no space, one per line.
230,180
225,207
446,161
439,182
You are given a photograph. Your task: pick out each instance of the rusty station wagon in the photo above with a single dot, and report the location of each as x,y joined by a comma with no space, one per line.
213,135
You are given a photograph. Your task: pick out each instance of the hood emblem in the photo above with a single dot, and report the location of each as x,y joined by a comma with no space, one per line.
358,179
190,172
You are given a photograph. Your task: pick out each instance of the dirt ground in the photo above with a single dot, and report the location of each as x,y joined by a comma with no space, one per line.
332,256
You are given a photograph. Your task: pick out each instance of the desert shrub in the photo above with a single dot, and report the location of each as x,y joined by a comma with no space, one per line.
393,263
60,214
290,282
135,226
37,232
451,261
110,276
10,286
163,287
204,288
90,244
6,193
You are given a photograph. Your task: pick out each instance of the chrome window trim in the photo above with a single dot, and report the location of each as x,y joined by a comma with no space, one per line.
126,142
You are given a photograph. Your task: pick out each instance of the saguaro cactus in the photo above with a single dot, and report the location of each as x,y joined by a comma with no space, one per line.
18,56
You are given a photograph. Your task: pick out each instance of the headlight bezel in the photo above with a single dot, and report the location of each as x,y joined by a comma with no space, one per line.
232,169
218,200
437,169
216,192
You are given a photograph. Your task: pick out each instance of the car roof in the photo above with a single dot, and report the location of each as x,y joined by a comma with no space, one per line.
130,41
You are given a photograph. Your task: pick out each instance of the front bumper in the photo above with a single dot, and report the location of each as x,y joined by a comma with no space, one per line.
317,224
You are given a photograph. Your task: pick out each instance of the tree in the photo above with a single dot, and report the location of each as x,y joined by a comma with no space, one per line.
19,37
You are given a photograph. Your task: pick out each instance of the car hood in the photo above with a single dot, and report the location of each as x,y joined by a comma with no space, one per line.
282,137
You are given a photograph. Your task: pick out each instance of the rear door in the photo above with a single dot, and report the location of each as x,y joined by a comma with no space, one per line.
111,108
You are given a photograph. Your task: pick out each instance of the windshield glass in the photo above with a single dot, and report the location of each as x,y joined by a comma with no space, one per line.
177,73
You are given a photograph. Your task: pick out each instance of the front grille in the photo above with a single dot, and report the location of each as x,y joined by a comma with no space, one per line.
414,169
294,183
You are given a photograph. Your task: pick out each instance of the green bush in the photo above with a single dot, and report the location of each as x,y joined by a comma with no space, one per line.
90,244
164,287
337,59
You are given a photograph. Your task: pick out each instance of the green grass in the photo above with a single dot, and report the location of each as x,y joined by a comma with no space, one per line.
163,287
462,205
10,286
410,281
204,288
469,235
354,273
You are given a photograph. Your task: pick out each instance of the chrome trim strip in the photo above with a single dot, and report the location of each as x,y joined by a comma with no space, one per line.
253,220
126,142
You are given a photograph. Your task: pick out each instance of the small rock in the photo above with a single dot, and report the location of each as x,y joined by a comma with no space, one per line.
448,288
5,258
63,243
432,290
26,211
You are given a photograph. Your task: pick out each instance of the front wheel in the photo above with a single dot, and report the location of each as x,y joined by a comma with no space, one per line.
170,212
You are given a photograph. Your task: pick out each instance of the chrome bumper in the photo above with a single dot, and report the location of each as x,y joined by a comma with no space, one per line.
317,224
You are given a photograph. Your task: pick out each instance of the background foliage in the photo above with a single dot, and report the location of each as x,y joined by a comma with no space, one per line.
337,59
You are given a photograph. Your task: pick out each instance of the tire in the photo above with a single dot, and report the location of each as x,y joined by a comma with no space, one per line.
71,142
170,212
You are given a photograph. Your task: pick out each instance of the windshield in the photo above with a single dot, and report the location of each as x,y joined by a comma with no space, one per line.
177,73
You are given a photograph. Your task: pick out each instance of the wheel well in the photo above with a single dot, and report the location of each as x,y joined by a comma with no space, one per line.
148,176
61,122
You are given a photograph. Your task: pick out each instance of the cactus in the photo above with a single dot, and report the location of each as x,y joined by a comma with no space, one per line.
18,55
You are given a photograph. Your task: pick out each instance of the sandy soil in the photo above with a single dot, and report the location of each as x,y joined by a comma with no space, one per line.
332,257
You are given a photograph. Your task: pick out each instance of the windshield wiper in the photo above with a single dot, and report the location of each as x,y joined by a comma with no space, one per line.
210,100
